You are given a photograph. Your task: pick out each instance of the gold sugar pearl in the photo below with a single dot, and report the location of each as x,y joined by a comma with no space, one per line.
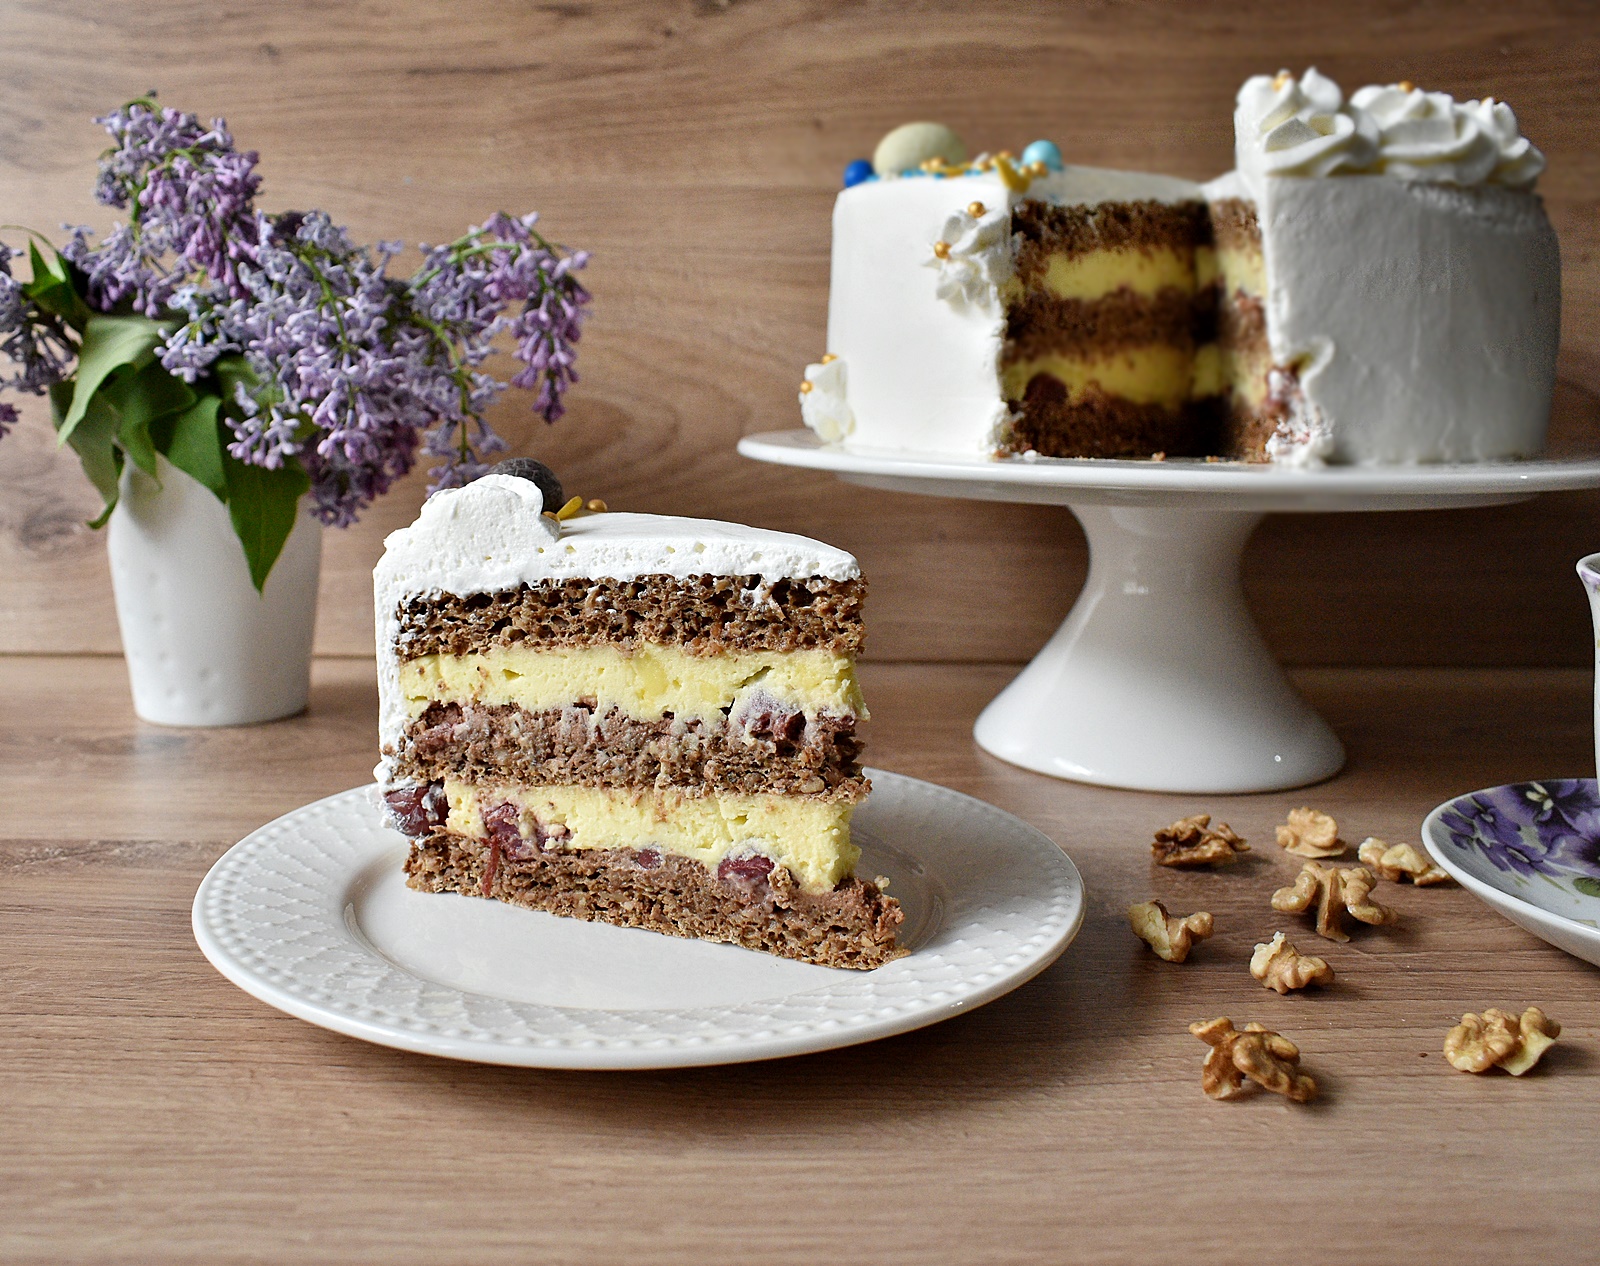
571,508
1281,78
828,358
976,209
1038,170
1407,86
595,505
805,387
931,164
941,250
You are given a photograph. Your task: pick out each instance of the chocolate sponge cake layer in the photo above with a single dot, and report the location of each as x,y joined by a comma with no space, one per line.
704,614
1047,229
761,750
1099,425
1234,225
753,903
1040,322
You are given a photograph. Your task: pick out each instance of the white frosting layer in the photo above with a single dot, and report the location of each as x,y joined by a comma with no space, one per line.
922,335
493,535
1289,127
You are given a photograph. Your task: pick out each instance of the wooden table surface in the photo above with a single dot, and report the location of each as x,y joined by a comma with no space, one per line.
153,1112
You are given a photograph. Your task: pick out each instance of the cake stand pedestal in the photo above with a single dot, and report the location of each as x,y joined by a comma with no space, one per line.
1158,680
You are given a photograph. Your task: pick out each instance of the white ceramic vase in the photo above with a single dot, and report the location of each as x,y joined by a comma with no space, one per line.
203,647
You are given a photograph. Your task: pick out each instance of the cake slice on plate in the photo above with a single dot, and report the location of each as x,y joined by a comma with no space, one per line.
631,718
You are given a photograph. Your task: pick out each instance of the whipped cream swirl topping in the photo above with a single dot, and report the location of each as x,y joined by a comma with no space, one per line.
1305,127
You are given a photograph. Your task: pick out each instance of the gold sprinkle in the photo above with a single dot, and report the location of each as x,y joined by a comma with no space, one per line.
828,358
941,250
975,209
805,387
571,508
1158,457
1407,86
931,164
595,505
1038,170
1010,177
1281,78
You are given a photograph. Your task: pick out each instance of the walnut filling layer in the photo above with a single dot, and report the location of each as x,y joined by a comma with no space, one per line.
810,837
646,683
851,925
705,614
761,749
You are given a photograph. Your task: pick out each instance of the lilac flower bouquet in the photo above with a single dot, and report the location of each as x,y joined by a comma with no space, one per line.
269,355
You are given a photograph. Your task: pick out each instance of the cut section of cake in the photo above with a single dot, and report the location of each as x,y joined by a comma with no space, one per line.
635,719
1376,283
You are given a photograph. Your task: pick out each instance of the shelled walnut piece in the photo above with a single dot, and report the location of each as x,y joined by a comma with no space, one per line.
1310,834
1278,965
1266,1058
1400,861
1333,888
1498,1039
1195,842
1171,938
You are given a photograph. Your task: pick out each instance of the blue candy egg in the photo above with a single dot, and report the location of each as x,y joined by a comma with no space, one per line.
1043,152
858,171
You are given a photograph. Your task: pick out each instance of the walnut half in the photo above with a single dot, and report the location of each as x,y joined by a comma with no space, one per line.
1171,938
1195,842
1401,861
1334,889
1310,834
1265,1057
1498,1039
1278,965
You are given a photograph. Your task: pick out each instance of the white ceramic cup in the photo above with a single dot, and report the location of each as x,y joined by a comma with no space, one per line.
1589,572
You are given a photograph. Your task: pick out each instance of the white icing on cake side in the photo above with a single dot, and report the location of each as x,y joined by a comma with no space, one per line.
493,535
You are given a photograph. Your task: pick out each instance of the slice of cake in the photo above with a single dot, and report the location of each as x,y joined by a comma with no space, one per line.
630,718
1376,283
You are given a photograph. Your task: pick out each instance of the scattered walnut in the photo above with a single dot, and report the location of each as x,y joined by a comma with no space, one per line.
1263,1056
1195,842
1497,1038
1401,860
1278,965
1333,888
1310,834
1171,938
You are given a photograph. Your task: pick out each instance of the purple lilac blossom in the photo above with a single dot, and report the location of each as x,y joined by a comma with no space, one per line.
350,370
32,340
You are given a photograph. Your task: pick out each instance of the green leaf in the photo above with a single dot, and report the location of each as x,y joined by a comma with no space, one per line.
193,443
94,440
1588,886
143,399
109,342
263,504
52,288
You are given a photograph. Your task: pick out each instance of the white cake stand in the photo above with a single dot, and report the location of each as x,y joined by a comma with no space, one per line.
1158,679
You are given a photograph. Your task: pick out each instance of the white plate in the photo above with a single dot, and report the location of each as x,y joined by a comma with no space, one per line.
1530,850
311,915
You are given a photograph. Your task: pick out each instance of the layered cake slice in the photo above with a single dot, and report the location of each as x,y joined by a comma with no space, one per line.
642,720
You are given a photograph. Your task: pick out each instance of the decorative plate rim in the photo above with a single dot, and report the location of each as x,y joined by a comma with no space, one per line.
288,937
1433,824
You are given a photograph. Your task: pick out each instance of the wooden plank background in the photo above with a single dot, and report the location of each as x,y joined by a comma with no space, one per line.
695,147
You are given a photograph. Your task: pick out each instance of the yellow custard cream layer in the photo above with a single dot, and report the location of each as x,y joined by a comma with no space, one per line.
1154,374
1099,273
643,683
1244,270
810,837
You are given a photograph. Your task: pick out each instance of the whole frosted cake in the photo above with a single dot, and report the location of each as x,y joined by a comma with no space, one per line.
643,720
1376,282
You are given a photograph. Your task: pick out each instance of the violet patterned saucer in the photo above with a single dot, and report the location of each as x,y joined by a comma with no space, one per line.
1531,850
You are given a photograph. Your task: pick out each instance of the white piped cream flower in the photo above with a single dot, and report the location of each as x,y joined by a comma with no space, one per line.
824,406
973,256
